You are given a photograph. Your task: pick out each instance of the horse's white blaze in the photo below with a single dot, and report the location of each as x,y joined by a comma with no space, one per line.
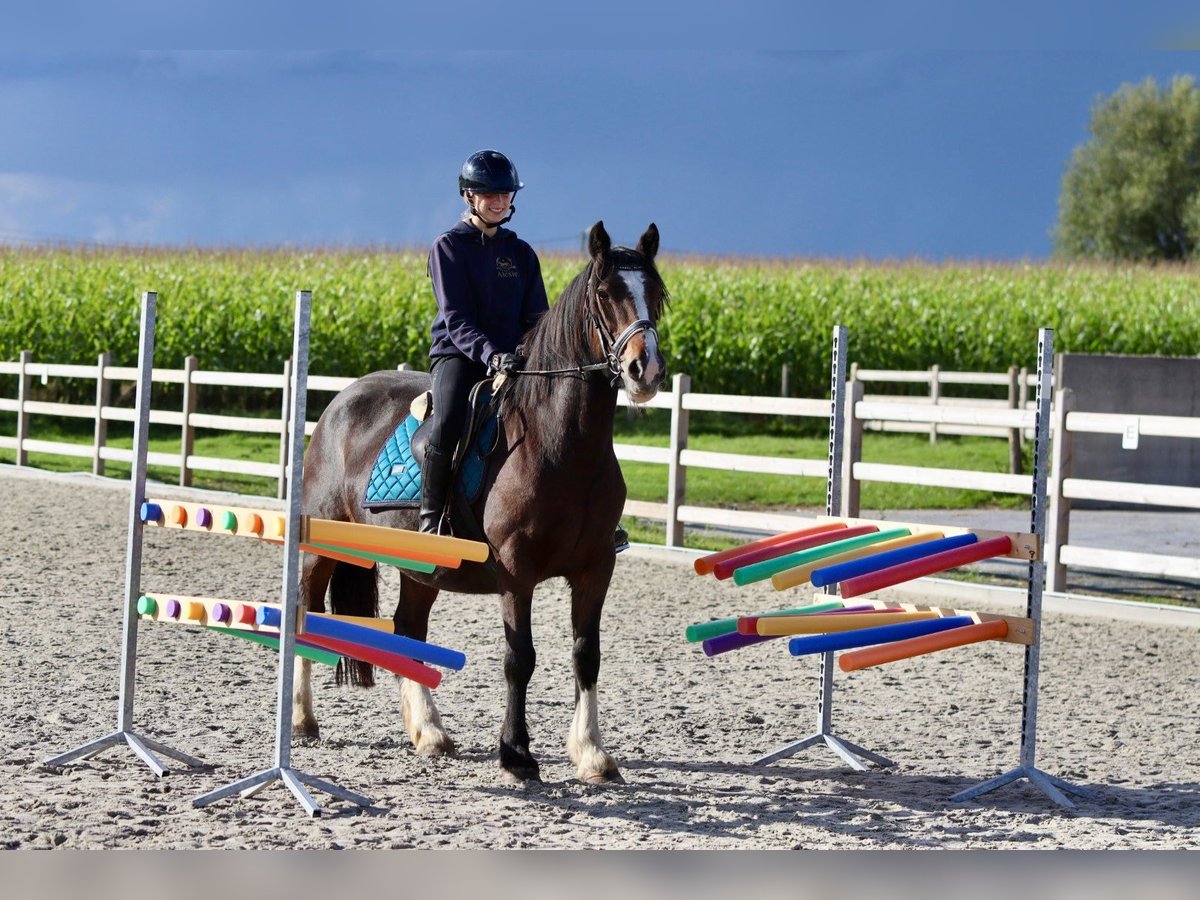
422,719
636,282
584,745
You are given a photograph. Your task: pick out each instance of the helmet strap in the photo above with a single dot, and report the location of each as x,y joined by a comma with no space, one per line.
512,209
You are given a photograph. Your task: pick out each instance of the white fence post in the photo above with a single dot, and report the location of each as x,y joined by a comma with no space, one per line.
1058,522
676,472
935,397
103,397
187,436
23,384
1014,434
851,453
284,432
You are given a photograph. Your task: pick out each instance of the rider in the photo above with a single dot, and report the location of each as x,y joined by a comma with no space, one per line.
489,291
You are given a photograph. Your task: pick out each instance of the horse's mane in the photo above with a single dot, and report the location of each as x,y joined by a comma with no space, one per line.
562,338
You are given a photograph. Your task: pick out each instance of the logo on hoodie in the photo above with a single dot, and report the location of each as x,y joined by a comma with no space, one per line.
506,268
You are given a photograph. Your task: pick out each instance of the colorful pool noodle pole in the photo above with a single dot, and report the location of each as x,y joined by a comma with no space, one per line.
355,634
917,568
798,575
851,568
704,565
393,662
865,637
749,624
354,543
724,569
789,625
917,646
325,657
705,630
736,640
860,536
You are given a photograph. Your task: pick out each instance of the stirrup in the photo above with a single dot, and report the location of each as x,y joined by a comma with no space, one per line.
621,539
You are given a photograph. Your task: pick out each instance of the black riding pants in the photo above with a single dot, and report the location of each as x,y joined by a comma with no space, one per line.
453,378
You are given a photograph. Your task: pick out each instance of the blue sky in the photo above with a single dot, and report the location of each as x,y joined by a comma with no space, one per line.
868,154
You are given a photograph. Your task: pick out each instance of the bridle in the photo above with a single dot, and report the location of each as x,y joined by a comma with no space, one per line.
612,347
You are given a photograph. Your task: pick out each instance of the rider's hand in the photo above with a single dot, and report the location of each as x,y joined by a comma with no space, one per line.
507,363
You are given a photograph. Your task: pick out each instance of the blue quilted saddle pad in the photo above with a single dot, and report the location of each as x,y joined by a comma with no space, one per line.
395,481
395,478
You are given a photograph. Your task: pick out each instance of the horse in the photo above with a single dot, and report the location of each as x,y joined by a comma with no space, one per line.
553,496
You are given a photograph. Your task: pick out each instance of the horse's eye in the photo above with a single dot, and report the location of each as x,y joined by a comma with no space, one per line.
601,294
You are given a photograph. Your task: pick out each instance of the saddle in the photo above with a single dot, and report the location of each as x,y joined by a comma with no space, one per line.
395,481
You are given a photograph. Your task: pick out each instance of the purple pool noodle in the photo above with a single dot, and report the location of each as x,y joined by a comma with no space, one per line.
173,609
221,612
204,518
723,643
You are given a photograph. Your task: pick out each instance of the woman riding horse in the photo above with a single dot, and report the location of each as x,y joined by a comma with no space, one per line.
552,495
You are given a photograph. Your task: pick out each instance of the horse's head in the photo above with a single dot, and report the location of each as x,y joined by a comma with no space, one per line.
627,297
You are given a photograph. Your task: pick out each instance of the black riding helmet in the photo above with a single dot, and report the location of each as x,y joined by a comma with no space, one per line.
488,172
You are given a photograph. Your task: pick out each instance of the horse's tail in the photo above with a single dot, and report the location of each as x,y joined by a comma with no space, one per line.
354,591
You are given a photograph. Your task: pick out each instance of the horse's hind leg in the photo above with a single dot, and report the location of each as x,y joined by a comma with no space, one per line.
417,707
516,762
315,573
584,747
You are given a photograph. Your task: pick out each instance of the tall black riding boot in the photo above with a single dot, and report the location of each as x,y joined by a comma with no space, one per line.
435,487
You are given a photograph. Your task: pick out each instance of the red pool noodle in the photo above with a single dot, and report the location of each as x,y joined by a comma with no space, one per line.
723,569
393,662
939,562
704,565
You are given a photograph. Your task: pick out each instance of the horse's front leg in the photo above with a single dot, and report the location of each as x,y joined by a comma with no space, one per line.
517,764
585,749
417,707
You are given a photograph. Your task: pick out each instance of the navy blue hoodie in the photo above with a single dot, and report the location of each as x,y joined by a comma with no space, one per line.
489,292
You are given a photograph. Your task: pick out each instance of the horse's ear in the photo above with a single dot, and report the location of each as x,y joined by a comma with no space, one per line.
648,245
599,242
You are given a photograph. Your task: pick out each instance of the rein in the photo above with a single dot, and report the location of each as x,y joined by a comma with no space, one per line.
613,348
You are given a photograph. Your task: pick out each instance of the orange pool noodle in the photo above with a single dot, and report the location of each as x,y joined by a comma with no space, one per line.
704,565
944,640
253,523
178,515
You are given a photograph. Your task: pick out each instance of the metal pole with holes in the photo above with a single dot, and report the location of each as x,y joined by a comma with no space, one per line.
1051,786
850,752
282,770
142,746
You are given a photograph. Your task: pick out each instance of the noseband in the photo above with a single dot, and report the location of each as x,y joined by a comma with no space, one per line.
613,348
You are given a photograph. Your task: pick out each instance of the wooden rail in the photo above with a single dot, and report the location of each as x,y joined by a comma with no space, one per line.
1012,418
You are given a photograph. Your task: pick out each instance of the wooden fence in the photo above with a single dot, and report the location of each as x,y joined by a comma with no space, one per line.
1012,419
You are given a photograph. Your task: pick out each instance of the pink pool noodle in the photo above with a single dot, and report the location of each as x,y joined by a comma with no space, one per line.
939,562
705,564
724,568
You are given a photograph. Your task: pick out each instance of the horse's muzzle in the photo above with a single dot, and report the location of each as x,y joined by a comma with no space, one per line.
643,367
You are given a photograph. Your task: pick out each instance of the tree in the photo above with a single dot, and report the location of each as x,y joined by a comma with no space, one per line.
1132,192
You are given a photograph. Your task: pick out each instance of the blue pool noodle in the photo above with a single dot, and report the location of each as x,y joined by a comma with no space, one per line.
866,637
887,559
369,637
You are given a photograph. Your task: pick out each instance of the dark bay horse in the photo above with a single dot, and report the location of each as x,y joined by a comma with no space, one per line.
553,496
